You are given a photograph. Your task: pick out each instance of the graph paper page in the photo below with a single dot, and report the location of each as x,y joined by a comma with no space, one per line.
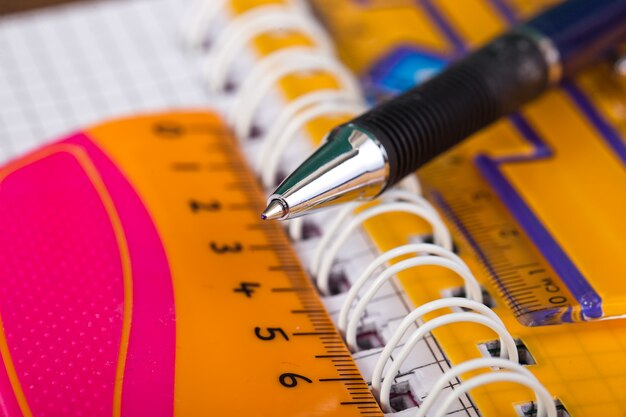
68,67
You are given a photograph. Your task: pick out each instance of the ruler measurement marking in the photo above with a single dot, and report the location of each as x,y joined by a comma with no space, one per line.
499,248
308,298
292,289
341,379
518,267
358,403
524,298
332,356
465,212
530,311
508,274
476,227
309,305
519,292
269,247
527,287
225,167
510,283
517,287
529,305
186,166
529,301
543,309
509,277
282,268
240,186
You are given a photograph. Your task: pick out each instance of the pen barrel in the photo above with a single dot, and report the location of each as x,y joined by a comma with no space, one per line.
581,30
427,120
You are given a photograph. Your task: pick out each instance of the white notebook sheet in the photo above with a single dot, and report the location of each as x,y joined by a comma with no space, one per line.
68,67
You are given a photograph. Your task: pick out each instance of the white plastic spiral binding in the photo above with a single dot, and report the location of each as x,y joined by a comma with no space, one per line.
296,106
346,99
199,20
246,27
444,257
202,14
544,401
273,68
545,405
389,273
508,348
270,167
327,251
416,314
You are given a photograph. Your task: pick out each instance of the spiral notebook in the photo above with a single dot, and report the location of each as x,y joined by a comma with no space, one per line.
383,36
281,91
364,31
338,257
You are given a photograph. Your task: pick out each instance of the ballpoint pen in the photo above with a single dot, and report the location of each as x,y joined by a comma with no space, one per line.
364,157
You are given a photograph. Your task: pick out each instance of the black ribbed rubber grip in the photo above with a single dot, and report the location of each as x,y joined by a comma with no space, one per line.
477,90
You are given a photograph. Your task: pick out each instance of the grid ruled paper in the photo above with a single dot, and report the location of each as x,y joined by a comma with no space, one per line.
72,66
68,67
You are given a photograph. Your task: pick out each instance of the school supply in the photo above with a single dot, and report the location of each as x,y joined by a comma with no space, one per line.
286,390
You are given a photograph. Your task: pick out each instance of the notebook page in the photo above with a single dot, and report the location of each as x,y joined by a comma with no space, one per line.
71,66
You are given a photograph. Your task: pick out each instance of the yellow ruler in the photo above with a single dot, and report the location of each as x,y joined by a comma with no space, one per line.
574,190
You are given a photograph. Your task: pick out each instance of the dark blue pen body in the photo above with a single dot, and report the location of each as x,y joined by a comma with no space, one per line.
495,80
581,29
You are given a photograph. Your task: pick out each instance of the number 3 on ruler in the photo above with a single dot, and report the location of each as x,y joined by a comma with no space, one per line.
222,249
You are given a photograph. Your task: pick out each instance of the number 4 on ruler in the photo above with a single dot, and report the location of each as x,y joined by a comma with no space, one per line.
247,288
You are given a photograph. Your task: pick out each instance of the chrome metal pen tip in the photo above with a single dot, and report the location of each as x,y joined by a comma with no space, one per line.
275,210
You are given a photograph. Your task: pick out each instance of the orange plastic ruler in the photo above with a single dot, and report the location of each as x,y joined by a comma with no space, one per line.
240,330
252,334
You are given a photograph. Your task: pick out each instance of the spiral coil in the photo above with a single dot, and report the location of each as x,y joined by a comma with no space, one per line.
346,99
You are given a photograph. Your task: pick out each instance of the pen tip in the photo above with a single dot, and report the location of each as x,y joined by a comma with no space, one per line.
274,210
